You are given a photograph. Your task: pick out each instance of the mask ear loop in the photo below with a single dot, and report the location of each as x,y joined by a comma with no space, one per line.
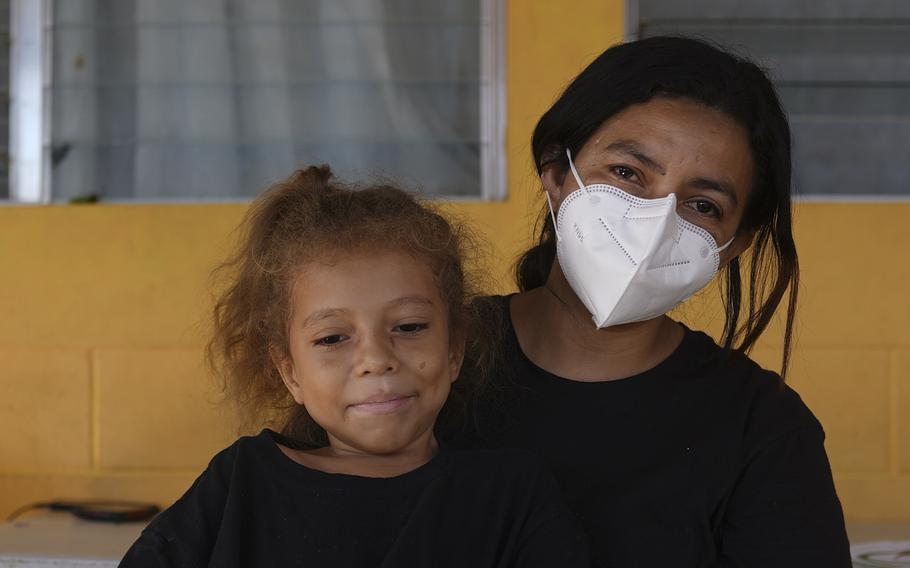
581,185
552,216
721,248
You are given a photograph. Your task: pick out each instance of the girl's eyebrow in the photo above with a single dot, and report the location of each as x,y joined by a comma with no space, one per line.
421,300
320,315
326,313
632,149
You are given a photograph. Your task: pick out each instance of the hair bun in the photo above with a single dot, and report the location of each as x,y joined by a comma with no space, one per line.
314,177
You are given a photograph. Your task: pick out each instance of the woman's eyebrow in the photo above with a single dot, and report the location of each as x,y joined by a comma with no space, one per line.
724,187
632,149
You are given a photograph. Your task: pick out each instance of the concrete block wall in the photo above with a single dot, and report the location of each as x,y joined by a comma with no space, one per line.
103,391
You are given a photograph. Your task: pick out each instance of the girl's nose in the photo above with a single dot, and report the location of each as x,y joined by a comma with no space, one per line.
376,356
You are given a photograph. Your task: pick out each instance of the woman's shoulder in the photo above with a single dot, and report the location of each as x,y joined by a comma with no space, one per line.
768,406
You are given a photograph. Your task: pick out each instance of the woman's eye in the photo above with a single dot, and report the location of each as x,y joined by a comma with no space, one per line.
704,207
330,340
624,172
410,328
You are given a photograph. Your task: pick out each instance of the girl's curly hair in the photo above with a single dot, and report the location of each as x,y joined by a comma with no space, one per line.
308,217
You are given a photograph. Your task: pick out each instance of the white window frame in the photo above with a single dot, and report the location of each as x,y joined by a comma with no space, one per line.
31,58
631,21
493,100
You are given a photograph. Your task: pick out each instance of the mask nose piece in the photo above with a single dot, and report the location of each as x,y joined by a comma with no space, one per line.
705,252
594,199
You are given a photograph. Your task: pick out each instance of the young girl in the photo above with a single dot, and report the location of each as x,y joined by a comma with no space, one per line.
348,317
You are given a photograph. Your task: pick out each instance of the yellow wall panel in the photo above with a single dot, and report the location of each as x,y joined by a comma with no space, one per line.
880,498
856,272
88,276
157,409
45,410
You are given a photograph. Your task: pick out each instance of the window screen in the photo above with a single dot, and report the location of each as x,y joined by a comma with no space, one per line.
842,69
216,99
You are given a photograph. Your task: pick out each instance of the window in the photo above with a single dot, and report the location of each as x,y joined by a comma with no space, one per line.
216,99
842,69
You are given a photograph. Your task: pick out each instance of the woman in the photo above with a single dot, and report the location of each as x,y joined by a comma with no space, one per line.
664,161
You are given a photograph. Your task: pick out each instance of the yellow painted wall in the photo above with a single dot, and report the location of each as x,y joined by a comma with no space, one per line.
103,312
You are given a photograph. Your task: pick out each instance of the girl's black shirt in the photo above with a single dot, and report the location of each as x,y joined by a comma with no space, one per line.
704,460
254,506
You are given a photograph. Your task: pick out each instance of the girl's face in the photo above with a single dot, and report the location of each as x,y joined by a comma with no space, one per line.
666,146
371,355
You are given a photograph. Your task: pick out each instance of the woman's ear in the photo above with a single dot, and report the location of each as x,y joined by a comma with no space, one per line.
285,366
553,172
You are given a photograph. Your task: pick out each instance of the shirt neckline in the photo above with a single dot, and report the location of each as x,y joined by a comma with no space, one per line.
693,351
268,441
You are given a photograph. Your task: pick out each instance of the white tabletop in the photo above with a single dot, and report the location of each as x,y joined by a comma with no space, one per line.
879,545
60,540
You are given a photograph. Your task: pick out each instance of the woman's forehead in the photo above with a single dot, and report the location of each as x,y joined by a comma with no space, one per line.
675,136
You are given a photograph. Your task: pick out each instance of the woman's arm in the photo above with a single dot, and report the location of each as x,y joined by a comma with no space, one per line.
784,511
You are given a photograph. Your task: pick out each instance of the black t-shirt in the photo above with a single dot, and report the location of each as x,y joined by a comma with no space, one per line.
255,507
704,460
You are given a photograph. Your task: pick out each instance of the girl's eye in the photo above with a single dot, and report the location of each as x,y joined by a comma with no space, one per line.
410,328
330,340
704,207
625,172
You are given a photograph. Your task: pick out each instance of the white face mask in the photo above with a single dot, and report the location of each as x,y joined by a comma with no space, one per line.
630,259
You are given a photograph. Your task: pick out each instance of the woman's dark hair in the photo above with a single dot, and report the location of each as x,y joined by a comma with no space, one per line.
694,70
311,216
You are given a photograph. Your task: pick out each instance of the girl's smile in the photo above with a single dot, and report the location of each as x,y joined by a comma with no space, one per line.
382,403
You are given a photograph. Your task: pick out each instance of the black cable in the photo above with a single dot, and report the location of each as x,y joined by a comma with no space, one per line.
25,508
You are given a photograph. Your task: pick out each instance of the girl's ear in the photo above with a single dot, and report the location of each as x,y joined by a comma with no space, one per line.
285,366
456,358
